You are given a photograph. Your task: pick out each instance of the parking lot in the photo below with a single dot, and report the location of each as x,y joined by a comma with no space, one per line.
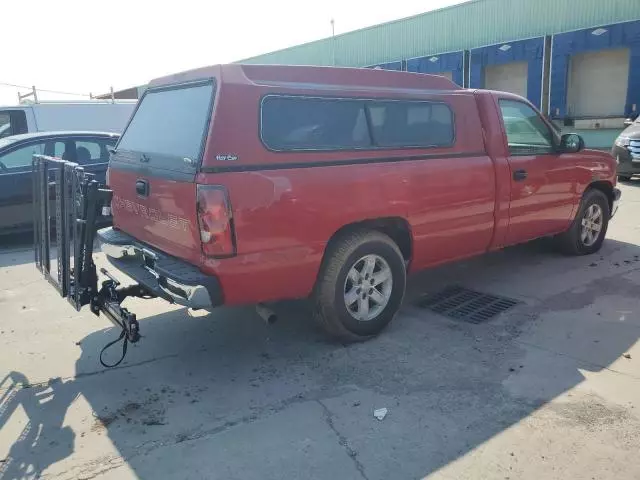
549,389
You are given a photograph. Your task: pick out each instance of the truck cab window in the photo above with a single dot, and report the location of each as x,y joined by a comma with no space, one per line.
526,132
5,124
12,122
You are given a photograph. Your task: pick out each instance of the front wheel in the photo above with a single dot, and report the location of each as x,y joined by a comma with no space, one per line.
588,229
624,178
360,286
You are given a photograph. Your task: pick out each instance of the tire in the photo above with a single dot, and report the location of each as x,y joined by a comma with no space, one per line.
624,178
573,241
356,250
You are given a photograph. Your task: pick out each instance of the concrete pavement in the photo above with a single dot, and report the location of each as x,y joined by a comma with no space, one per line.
550,389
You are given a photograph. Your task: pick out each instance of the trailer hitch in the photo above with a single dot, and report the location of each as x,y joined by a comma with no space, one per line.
76,201
108,301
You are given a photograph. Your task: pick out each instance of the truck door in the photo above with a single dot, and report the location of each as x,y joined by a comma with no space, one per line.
542,184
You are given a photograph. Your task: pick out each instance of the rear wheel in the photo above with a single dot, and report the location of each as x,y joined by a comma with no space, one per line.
589,228
624,178
361,285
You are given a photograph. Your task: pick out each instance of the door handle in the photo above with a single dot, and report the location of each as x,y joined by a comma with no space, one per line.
142,188
519,175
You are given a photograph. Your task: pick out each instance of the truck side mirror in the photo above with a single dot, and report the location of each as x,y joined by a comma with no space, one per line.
628,122
571,143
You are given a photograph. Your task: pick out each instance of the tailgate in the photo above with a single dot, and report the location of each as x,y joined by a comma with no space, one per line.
152,171
165,218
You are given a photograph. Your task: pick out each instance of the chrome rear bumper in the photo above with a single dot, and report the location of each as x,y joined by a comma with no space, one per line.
118,251
170,278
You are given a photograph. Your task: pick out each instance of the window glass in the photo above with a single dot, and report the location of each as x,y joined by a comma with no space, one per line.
5,124
411,124
12,122
525,129
66,150
170,122
90,151
83,151
297,123
21,157
58,149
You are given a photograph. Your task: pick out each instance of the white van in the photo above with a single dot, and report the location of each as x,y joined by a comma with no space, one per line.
102,116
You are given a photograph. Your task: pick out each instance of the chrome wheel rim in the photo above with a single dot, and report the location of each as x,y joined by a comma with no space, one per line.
592,223
367,288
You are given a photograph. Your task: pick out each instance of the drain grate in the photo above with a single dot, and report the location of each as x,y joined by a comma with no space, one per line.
468,305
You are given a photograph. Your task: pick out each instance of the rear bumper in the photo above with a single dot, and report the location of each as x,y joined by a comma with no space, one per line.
168,277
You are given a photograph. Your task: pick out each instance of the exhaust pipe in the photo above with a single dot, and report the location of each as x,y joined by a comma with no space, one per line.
268,315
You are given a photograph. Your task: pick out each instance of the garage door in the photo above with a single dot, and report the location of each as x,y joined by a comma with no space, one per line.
597,83
508,77
448,75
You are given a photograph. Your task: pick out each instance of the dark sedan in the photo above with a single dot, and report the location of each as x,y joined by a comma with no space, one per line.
89,149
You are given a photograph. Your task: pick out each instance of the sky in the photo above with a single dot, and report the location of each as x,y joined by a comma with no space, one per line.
84,46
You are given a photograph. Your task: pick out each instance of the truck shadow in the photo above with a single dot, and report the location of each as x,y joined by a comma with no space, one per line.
200,394
634,182
16,249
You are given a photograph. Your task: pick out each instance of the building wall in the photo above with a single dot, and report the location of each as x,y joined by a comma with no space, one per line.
461,27
450,64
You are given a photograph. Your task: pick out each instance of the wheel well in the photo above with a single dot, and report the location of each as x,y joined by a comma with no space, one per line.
604,187
395,227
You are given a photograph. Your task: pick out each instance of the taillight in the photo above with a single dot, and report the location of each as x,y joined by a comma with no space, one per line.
215,221
108,213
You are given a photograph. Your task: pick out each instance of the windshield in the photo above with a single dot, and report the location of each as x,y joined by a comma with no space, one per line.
170,122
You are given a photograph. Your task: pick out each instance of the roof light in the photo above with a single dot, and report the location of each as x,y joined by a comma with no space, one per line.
434,59
506,47
599,31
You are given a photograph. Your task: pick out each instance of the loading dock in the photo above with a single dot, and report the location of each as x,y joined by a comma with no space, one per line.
514,67
449,65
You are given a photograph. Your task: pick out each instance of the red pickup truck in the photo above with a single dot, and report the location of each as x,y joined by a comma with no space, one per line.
242,184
